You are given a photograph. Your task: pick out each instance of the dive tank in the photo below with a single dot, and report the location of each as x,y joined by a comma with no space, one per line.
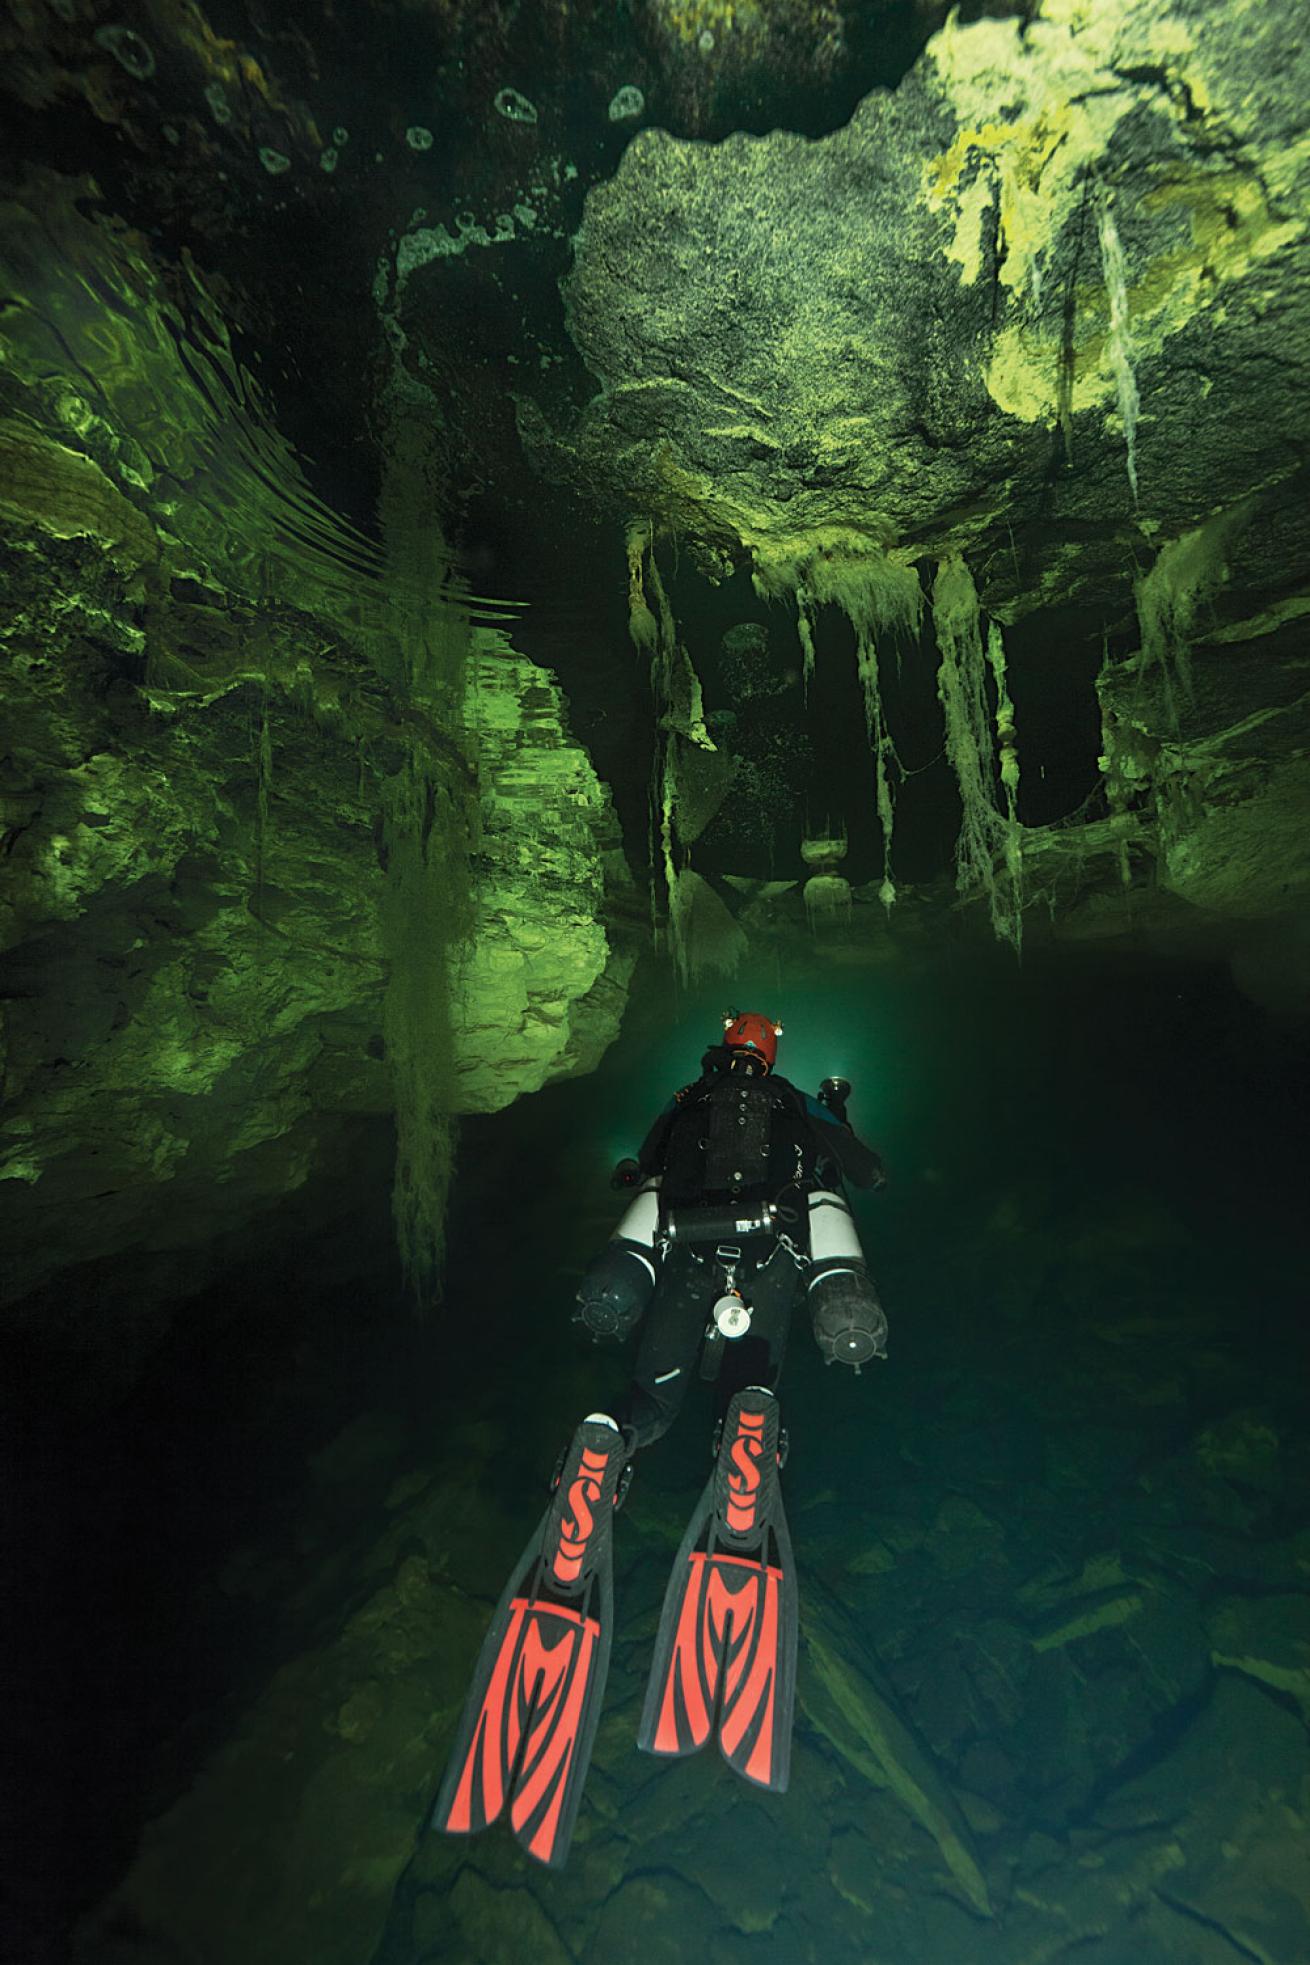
620,1281
849,1325
640,1222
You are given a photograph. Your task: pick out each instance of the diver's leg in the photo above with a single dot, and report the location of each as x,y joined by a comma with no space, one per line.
670,1341
756,1359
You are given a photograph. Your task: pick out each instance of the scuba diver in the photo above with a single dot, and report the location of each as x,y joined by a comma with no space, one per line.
738,1211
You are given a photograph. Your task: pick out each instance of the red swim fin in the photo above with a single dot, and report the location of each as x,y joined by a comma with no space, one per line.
725,1653
529,1723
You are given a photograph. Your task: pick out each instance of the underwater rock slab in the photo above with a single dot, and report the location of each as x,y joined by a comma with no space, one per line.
1106,1685
502,1927
838,1696
1243,1447
738,1855
1160,1934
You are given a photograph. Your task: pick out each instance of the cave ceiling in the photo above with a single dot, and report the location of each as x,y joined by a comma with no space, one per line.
297,149
803,287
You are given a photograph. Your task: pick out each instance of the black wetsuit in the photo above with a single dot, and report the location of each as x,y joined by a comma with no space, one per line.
787,1144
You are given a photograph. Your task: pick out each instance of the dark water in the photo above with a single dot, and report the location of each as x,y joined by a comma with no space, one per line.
1093,1254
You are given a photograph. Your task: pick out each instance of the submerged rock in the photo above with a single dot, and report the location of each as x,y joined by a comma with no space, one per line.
764,300
838,1696
658,1918
501,1925
1268,1638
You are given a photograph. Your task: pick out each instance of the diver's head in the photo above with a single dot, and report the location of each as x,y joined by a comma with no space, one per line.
752,1040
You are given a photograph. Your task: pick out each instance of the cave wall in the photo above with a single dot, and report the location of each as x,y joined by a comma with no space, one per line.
226,715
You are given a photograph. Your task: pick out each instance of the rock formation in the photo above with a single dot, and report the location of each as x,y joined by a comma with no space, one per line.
1033,313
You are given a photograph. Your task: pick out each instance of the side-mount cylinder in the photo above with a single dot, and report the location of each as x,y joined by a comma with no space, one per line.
849,1324
620,1281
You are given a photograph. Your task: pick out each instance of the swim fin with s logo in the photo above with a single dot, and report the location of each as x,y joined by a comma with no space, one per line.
725,1654
529,1723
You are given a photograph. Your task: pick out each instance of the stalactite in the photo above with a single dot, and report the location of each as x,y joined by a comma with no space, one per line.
1005,733
986,834
1008,747
884,755
680,719
883,600
263,790
805,634
428,820
417,928
1119,344
668,789
641,622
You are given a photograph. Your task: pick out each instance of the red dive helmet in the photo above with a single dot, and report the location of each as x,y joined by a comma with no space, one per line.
753,1035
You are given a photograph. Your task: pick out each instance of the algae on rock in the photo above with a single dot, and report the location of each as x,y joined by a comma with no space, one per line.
538,981
1185,572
